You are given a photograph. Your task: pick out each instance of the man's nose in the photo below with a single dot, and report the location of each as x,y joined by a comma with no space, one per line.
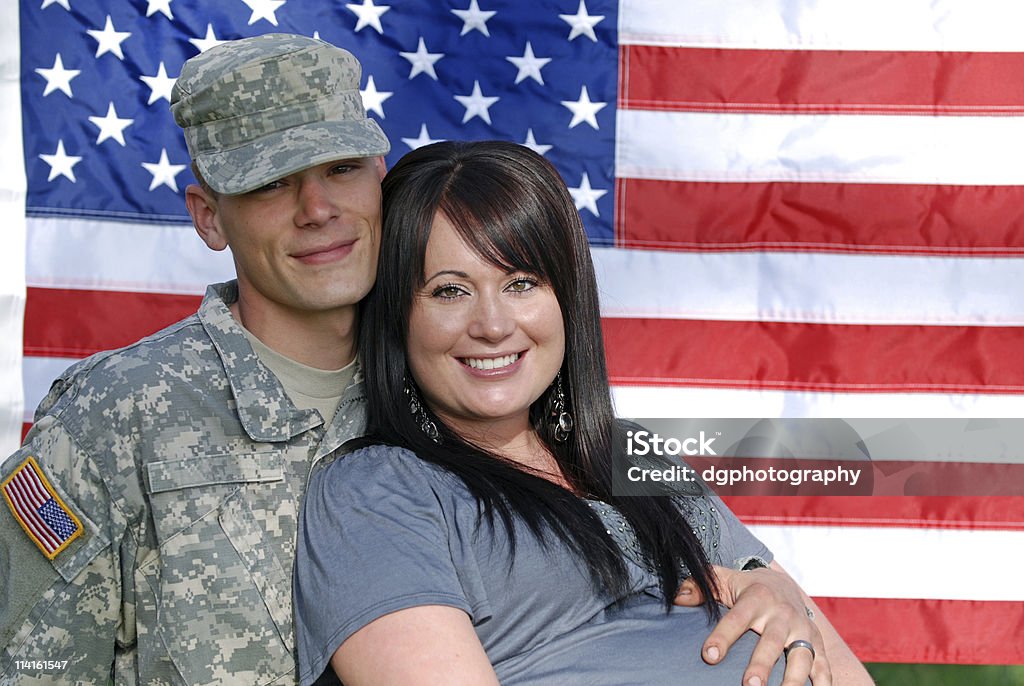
316,205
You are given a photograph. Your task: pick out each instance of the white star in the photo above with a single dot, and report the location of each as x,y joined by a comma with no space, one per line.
61,164
58,78
373,99
529,65
263,9
583,110
422,61
163,172
532,143
474,18
369,15
109,40
582,23
204,44
424,139
159,85
162,6
586,197
476,104
111,126
63,3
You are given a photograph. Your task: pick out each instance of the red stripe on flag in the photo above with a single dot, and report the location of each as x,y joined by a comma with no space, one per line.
33,487
814,357
932,631
830,217
961,512
820,81
77,323
743,471
1005,513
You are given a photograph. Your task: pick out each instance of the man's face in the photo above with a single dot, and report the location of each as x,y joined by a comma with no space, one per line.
306,243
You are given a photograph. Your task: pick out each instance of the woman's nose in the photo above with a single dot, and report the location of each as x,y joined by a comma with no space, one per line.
493,319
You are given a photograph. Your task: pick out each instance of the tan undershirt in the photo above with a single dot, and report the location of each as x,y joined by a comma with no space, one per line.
307,387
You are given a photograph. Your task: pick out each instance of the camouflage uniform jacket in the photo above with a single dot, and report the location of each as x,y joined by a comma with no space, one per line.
185,462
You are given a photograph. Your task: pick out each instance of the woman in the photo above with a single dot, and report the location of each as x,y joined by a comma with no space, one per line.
480,539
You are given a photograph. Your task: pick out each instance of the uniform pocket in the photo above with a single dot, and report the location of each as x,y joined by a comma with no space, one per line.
221,596
210,470
185,490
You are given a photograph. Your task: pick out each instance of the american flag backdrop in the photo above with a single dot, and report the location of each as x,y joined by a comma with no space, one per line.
803,208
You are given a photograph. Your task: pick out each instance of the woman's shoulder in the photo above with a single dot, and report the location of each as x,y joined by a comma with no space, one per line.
365,450
367,463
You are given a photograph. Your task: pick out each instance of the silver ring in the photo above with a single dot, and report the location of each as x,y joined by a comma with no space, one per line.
800,643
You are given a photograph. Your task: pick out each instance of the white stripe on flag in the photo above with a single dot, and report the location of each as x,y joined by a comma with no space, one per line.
942,25
39,374
681,401
149,258
794,287
12,232
861,148
12,312
810,287
892,562
670,402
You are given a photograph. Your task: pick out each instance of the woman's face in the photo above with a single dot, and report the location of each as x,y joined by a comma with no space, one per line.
484,344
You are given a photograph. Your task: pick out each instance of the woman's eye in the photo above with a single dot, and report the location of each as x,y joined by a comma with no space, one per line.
447,292
522,285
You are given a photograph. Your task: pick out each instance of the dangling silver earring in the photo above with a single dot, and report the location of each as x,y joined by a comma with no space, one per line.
427,425
561,420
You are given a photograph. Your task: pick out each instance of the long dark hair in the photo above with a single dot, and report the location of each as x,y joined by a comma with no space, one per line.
510,205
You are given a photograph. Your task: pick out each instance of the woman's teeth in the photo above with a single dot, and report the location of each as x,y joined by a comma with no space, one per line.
490,362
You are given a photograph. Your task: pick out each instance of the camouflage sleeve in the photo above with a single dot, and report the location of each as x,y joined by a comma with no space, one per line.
60,607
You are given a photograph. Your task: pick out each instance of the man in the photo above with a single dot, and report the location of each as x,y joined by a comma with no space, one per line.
174,468
150,518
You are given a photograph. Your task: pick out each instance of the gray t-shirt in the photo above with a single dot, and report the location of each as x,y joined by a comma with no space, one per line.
383,531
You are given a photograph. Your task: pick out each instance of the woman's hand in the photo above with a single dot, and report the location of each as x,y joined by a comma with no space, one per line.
770,603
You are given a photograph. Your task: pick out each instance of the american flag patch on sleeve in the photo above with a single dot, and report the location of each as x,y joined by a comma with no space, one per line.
39,510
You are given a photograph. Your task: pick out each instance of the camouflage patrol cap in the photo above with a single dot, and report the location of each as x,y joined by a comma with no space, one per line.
257,109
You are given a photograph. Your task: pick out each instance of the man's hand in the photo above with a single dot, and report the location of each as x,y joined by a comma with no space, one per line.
770,603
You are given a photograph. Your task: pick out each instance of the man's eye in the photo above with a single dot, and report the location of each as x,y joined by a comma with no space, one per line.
273,185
